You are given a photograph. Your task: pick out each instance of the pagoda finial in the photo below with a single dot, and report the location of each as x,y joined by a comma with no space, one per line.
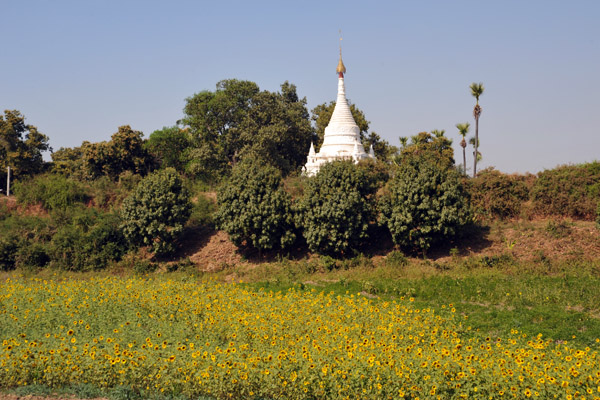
341,68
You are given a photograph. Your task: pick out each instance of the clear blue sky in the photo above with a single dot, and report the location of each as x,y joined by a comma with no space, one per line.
79,69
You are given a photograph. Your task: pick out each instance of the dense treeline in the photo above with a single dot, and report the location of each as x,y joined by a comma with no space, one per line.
94,204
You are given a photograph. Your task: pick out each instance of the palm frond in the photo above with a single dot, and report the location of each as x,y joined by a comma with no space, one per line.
476,89
463,128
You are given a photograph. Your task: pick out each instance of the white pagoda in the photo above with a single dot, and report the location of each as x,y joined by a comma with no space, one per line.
342,135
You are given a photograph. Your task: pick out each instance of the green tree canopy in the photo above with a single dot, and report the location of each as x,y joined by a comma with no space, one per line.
21,145
254,209
167,146
424,202
238,121
336,208
155,213
124,152
428,144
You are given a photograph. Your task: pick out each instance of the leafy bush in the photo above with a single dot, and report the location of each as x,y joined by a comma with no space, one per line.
336,208
32,255
254,209
51,191
396,259
9,245
108,194
155,213
569,191
203,210
497,195
19,237
424,202
90,241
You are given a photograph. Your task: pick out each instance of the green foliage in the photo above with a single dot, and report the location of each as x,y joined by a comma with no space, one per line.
383,150
254,209
426,144
108,194
336,208
155,213
424,202
167,146
569,191
598,216
32,255
239,121
9,246
558,229
68,161
203,210
52,191
88,240
143,266
498,195
124,152
21,145
396,258
19,239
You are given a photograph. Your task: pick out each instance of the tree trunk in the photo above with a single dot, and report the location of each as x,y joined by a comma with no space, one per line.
464,161
476,145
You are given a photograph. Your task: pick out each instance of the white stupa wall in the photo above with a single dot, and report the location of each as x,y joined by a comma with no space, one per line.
341,139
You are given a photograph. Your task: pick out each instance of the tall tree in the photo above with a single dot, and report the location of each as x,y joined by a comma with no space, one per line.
463,129
124,152
167,146
239,120
424,143
383,150
21,145
475,143
476,91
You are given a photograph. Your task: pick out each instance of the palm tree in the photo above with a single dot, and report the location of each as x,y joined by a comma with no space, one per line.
463,129
438,133
474,142
476,91
403,141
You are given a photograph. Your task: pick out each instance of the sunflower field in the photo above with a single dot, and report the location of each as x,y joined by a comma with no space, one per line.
183,337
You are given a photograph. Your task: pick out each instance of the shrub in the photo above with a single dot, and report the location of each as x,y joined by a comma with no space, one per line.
254,209
51,191
155,213
424,202
32,255
336,208
568,190
9,245
90,241
497,195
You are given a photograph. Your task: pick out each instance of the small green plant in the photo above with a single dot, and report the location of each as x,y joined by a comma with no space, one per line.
396,258
454,252
510,244
558,229
143,266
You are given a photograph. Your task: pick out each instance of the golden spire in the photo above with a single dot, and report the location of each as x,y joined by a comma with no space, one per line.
341,68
